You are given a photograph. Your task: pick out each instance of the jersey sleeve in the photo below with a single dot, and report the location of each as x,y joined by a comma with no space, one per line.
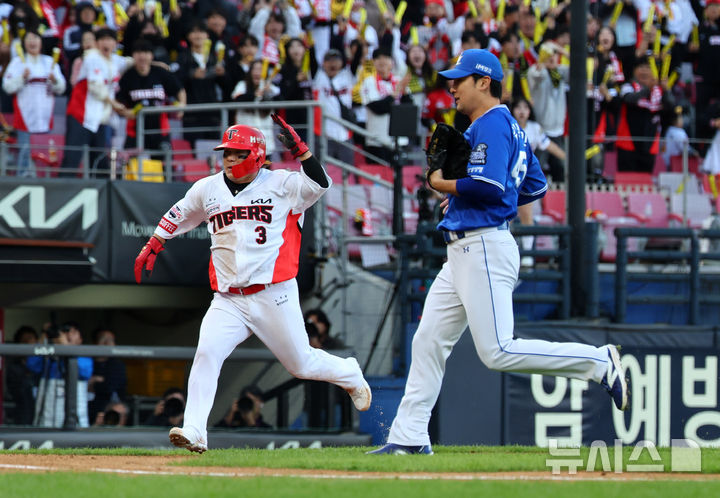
302,191
534,185
490,153
185,215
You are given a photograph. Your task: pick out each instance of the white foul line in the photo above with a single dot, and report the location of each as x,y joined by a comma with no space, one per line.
407,477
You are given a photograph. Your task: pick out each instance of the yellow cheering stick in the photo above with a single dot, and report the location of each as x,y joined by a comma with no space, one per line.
617,10
158,15
672,79
140,4
592,151
695,35
590,68
265,66
539,27
6,32
414,38
173,5
220,51
363,20
668,47
381,7
650,18
136,109
55,57
653,67
36,7
503,61
527,3
347,9
509,80
525,89
275,72
306,63
665,71
207,44
553,4
500,15
657,42
609,71
400,12
19,50
120,13
472,8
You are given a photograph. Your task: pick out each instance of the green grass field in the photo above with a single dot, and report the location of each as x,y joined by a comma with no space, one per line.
457,459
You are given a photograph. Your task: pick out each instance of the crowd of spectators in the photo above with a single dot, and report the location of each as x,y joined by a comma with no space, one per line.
647,61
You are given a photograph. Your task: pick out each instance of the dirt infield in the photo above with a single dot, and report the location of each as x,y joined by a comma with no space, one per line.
162,465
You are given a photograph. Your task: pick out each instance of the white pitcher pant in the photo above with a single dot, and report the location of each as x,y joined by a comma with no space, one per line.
475,288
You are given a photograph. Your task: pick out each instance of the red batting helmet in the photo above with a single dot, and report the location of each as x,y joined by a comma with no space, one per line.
242,137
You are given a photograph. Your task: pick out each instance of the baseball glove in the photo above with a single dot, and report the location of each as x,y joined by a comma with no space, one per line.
448,151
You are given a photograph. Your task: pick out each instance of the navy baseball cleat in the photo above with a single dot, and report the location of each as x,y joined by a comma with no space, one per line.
614,381
398,449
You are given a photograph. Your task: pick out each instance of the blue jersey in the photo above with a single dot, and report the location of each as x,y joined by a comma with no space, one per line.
501,156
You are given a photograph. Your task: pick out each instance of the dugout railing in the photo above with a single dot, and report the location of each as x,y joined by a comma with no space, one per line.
321,401
681,266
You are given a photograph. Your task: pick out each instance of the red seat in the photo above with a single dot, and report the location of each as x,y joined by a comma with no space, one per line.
383,172
553,205
182,150
650,209
608,204
46,150
413,177
608,209
676,164
633,178
194,170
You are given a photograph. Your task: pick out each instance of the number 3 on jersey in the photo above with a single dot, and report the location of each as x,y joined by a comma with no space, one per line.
519,170
262,235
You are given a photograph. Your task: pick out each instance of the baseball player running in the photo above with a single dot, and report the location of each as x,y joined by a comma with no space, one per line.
475,285
254,217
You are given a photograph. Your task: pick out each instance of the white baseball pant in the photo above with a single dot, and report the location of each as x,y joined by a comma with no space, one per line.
474,287
274,315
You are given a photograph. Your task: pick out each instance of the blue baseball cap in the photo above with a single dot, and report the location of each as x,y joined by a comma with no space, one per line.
475,61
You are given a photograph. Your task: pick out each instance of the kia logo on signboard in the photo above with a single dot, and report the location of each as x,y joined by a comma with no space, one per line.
38,217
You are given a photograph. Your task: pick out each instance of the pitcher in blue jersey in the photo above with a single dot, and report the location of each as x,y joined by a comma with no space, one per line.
474,287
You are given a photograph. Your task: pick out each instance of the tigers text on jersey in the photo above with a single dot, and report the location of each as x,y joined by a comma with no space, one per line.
501,156
255,235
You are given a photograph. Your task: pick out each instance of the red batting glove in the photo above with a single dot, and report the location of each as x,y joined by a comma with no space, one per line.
147,256
290,138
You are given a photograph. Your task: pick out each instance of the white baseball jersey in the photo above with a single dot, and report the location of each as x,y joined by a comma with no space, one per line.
323,88
95,83
374,88
255,235
33,99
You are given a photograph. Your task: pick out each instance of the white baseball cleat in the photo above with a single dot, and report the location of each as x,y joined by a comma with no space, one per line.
361,396
177,438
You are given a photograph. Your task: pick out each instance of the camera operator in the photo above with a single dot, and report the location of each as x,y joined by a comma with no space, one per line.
50,405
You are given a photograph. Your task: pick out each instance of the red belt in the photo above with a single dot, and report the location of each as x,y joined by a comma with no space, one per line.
249,290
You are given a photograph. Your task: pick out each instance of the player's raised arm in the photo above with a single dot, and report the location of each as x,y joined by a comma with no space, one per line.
299,149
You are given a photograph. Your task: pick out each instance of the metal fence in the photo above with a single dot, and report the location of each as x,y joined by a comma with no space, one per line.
688,260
